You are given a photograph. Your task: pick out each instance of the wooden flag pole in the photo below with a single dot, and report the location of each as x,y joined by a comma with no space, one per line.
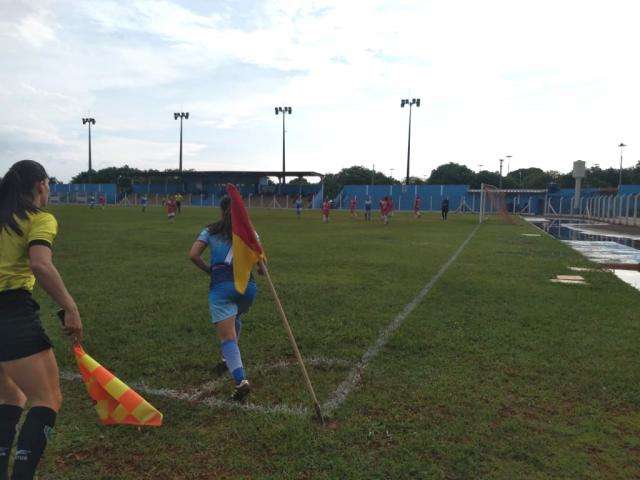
292,339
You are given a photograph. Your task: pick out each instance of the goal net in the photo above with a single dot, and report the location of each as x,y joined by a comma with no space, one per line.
493,201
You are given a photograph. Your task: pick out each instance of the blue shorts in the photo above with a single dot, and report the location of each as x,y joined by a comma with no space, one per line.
225,301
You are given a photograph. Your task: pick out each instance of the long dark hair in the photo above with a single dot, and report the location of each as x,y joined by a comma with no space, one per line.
223,226
16,193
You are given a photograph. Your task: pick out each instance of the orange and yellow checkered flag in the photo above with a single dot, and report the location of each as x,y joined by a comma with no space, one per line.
116,403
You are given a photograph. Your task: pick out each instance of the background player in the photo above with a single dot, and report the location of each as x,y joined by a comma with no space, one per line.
445,208
171,207
386,209
367,209
299,206
352,207
416,207
326,208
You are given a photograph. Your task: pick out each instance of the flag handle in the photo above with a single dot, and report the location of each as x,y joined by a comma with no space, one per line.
292,339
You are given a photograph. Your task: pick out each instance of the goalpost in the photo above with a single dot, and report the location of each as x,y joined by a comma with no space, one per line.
493,202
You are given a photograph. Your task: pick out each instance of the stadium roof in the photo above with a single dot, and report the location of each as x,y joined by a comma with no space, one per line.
512,190
232,173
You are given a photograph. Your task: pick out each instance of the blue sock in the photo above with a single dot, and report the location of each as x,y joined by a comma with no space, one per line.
238,327
231,354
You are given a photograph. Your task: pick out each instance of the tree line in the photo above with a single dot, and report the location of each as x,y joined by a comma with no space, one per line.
447,174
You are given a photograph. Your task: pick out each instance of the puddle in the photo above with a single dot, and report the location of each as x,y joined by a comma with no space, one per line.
606,251
581,230
629,276
597,246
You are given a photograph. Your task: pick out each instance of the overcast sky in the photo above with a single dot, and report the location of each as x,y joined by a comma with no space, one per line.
548,82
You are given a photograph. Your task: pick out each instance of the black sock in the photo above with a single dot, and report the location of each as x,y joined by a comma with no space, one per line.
36,430
9,418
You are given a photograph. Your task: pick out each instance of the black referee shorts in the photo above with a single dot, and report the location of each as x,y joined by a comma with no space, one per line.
21,332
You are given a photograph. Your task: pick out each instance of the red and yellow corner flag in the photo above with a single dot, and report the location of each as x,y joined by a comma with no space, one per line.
247,250
116,402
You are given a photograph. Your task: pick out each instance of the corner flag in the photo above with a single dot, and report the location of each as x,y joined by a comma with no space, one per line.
247,250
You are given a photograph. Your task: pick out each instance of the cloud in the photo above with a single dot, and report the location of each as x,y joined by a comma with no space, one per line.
545,81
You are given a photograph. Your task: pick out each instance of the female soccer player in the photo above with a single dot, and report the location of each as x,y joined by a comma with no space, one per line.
326,208
386,208
352,207
171,209
445,208
367,209
225,303
28,368
298,206
178,199
416,206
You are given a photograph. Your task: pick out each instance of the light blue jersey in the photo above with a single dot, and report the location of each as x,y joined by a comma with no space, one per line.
221,252
224,299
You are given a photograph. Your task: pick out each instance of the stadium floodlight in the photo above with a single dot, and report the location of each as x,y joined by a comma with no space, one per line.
411,103
501,162
89,121
621,146
283,111
181,115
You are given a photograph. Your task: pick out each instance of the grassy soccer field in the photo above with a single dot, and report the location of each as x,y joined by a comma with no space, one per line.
497,373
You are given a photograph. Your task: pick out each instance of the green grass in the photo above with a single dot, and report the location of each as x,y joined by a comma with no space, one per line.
497,374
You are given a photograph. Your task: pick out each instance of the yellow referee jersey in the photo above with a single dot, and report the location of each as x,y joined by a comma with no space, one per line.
38,229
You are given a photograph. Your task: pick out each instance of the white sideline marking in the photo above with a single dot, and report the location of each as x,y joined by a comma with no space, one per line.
202,395
345,388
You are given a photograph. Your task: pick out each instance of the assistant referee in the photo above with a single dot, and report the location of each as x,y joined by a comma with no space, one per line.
28,368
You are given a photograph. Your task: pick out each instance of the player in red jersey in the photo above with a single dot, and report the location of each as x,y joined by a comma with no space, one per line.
172,207
416,207
352,207
386,207
102,200
326,208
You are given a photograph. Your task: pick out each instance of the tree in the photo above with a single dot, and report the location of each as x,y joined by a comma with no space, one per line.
416,181
529,178
355,175
486,177
451,174
299,181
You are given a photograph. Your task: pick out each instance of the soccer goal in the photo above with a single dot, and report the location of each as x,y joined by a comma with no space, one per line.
493,201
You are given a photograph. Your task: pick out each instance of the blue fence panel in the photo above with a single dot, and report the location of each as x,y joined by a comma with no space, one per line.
68,192
403,195
629,189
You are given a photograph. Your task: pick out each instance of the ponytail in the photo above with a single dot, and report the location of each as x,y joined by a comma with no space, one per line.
16,193
223,226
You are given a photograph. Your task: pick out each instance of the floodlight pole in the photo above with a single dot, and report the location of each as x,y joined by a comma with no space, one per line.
181,115
283,110
501,161
411,103
622,145
89,121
